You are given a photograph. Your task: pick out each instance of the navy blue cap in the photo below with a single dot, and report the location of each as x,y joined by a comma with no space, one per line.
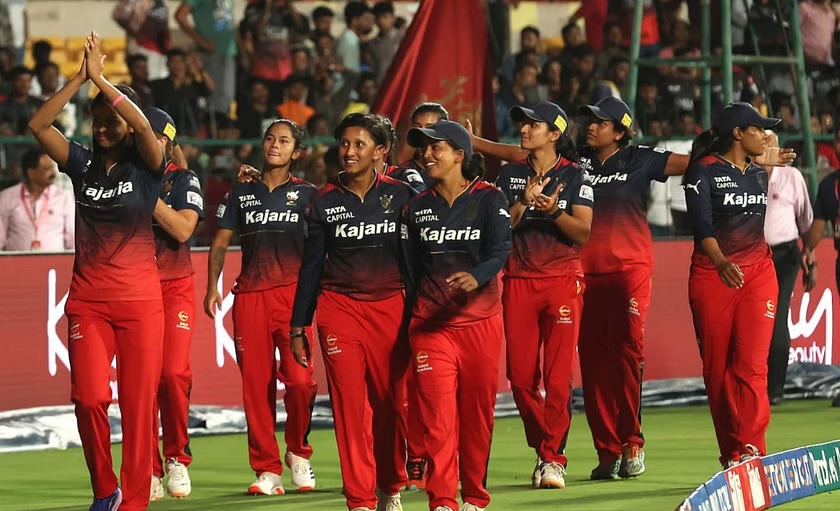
610,109
161,122
544,111
450,131
739,115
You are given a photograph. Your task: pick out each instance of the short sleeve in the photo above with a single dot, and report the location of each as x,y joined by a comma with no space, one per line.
227,215
652,160
826,206
584,195
187,193
698,199
78,160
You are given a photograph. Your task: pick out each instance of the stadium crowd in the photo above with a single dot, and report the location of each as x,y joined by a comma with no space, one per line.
316,69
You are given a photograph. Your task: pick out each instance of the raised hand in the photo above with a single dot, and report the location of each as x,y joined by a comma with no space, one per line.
94,59
776,157
546,204
533,189
247,174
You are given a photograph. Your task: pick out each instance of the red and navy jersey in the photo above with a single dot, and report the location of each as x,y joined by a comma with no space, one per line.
620,236
728,205
827,205
413,165
472,235
271,227
408,175
115,247
540,249
352,245
181,190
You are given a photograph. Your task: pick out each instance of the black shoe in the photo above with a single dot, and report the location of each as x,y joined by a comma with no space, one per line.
836,402
776,400
605,471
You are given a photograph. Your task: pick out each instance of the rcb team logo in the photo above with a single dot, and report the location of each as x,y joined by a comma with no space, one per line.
292,197
386,202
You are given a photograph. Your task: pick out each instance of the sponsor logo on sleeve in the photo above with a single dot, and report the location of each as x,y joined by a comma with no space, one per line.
220,213
195,183
586,193
695,186
195,199
503,212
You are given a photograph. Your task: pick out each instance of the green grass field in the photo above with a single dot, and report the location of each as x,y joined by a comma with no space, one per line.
681,454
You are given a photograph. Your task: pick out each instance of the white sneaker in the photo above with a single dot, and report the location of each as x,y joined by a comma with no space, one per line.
552,475
156,492
388,502
536,476
179,484
302,475
268,483
471,507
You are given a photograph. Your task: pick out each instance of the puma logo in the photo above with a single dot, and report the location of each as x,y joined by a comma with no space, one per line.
689,186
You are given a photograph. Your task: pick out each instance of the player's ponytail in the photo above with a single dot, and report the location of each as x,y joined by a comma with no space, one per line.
474,167
566,148
709,142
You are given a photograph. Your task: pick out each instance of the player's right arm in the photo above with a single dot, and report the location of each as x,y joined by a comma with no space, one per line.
215,264
41,124
506,152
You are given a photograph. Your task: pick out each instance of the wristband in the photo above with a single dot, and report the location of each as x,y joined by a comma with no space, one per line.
557,214
298,334
117,100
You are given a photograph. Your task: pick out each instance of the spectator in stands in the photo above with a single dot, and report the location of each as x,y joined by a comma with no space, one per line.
322,18
138,70
572,39
331,96
649,105
386,43
551,81
146,25
178,93
48,79
579,83
317,126
213,33
529,41
682,89
42,54
594,13
254,114
680,45
614,81
36,214
7,39
686,125
827,157
325,46
786,112
302,62
348,46
366,90
294,106
818,23
271,23
524,78
613,47
18,108
788,218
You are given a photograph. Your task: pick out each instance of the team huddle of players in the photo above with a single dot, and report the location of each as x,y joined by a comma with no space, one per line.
414,276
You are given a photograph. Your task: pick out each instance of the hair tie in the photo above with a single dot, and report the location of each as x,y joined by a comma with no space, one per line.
117,100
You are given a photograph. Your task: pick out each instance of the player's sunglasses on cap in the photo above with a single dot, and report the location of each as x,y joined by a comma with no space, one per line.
544,111
449,131
739,115
610,109
161,122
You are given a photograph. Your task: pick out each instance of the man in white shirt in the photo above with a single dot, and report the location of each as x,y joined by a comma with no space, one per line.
36,214
348,46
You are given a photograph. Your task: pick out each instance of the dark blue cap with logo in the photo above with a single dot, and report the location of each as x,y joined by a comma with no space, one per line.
610,109
544,111
450,131
161,122
741,115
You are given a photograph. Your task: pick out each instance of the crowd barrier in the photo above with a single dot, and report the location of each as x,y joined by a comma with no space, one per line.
770,481
34,364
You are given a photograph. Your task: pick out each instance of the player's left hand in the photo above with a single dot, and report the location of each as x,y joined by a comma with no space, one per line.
776,157
248,174
300,349
462,280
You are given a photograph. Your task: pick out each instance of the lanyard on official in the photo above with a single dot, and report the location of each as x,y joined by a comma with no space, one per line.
34,219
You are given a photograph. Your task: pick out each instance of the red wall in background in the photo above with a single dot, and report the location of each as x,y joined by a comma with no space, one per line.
33,331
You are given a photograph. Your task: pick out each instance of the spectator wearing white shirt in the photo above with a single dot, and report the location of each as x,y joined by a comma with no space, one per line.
348,46
36,214
788,218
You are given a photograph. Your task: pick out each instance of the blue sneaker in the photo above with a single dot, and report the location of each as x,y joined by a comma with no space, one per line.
110,503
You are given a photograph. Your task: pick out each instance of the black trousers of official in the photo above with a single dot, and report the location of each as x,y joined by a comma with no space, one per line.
786,259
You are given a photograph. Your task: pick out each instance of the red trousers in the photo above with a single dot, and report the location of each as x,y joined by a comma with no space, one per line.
612,358
543,315
411,428
457,371
734,327
134,332
364,355
173,401
261,324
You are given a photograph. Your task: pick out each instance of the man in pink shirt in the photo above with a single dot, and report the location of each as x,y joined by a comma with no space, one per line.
36,214
818,22
788,217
